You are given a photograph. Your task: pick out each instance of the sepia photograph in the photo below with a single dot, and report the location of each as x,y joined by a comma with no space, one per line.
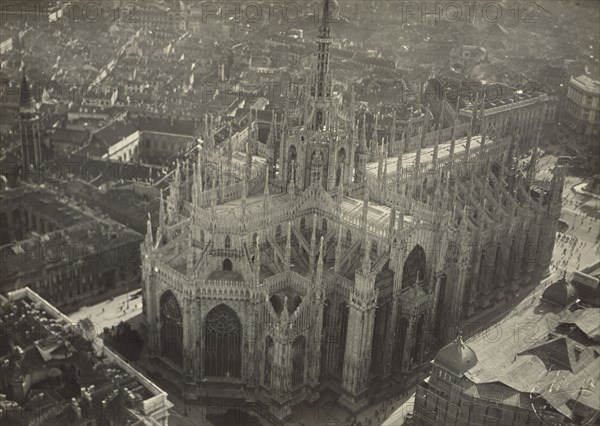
299,212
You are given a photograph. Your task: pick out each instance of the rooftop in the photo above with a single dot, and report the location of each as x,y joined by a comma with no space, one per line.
456,356
561,293
585,83
44,203
544,350
55,371
408,159
92,241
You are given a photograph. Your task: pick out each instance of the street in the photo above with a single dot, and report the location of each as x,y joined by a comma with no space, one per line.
579,246
111,312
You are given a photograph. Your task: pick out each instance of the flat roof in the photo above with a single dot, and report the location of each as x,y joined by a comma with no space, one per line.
586,84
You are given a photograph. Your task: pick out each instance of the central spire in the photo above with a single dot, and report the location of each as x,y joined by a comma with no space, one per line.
322,88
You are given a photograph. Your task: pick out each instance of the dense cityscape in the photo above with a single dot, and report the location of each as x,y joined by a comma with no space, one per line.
300,213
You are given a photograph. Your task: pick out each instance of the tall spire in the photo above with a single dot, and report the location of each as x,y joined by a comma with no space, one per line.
229,145
322,80
313,242
365,211
282,143
363,133
323,41
162,220
257,260
272,131
399,167
288,245
213,196
392,133
374,140
244,203
380,164
338,249
190,249
436,147
149,241
392,222
320,263
292,185
266,199
248,165
366,263
26,101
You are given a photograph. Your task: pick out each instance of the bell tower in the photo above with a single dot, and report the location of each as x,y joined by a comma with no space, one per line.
29,128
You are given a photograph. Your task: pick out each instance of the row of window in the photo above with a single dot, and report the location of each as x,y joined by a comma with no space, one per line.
580,98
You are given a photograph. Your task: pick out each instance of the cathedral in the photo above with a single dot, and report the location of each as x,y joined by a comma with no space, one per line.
330,264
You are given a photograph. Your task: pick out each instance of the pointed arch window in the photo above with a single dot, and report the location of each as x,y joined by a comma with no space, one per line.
401,327
268,361
298,359
342,318
418,340
222,343
319,118
378,342
278,232
292,164
414,265
227,242
374,249
316,167
171,328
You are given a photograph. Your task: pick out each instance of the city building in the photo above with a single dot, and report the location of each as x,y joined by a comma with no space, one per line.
540,366
506,108
273,284
147,139
65,253
6,45
587,283
465,57
54,370
582,108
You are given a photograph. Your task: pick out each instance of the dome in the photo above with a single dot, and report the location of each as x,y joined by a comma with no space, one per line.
456,356
561,293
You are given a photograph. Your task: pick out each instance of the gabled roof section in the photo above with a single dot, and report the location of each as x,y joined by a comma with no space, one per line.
554,353
587,320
